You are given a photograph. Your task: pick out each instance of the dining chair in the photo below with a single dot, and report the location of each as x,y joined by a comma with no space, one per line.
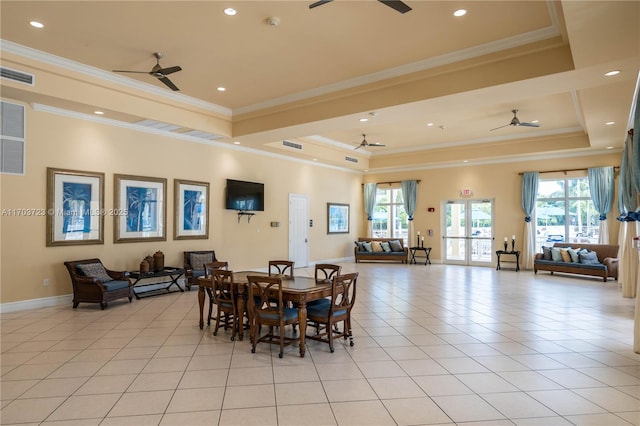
281,268
207,268
343,296
262,311
224,297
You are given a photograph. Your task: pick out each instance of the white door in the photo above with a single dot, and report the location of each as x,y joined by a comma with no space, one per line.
298,230
468,232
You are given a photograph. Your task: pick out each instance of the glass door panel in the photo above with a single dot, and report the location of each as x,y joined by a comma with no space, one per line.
468,232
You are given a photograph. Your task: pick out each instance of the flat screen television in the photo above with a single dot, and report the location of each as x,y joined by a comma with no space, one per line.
244,196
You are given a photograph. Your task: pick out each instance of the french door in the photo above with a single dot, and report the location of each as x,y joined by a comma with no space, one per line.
468,232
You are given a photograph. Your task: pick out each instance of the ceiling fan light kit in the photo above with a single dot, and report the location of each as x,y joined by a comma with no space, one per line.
396,5
158,72
364,143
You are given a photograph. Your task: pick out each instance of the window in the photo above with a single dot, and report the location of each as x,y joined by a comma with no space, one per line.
389,217
565,212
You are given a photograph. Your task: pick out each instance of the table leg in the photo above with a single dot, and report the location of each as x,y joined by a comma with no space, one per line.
498,265
302,319
201,303
517,262
240,306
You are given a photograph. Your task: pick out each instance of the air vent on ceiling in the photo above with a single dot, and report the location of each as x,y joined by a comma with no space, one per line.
291,144
353,160
19,76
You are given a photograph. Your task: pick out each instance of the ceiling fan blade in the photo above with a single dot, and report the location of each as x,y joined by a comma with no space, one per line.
496,128
136,72
398,5
318,3
169,70
359,146
169,83
376,144
529,124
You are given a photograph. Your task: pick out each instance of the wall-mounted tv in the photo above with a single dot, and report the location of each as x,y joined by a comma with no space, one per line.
244,196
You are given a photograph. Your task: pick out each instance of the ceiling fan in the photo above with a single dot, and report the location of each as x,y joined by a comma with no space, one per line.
158,72
398,5
516,122
364,143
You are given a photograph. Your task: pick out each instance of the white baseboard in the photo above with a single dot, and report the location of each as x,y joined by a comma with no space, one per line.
44,302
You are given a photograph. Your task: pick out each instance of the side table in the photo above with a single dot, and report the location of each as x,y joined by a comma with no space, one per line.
172,274
511,253
426,250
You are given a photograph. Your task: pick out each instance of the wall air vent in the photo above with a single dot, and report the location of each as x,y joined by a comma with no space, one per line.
353,160
291,144
19,76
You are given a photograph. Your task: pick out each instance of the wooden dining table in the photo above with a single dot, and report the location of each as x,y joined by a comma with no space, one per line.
298,290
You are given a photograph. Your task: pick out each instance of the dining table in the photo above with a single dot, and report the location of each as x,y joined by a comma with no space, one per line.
299,290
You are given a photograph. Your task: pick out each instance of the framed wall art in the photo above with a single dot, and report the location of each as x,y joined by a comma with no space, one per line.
140,202
337,218
191,210
75,207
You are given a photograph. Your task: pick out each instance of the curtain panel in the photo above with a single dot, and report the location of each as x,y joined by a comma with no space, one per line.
409,195
529,194
370,190
601,186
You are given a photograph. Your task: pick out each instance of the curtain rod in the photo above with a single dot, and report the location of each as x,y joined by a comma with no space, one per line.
389,183
566,170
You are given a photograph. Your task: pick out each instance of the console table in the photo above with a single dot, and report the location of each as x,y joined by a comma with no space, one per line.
171,274
511,253
426,250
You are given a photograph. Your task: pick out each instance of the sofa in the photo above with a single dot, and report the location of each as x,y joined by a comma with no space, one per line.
385,249
604,263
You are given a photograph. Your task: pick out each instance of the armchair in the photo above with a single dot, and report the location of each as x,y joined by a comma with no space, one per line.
194,265
93,283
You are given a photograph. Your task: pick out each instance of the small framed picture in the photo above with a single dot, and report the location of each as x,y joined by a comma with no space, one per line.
191,210
337,218
141,209
75,207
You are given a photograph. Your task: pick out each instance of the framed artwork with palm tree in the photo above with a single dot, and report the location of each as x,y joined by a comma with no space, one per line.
141,202
75,207
191,210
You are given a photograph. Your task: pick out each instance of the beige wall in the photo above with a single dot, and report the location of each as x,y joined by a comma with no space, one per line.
71,143
500,182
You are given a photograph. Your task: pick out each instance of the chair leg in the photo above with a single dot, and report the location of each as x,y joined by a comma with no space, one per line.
215,332
75,304
281,354
330,335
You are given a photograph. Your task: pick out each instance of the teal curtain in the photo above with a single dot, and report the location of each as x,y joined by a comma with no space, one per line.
409,191
370,190
627,192
529,194
601,186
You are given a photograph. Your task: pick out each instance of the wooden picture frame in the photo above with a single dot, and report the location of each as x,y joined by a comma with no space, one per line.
337,218
191,210
75,207
141,203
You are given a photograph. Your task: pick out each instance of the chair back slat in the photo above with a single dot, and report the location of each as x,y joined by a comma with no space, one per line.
211,266
223,287
343,294
281,268
326,271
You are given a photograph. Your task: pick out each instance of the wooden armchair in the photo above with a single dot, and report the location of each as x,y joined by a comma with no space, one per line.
194,265
93,283
281,268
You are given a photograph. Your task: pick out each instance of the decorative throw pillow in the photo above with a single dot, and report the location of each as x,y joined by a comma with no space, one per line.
396,245
589,258
555,254
573,253
376,246
367,246
546,253
360,246
198,260
386,246
95,270
566,257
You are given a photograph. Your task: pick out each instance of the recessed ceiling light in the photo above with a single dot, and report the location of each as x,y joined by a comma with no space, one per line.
612,72
36,24
315,159
364,119
98,113
535,121
236,143
221,89
230,11
610,123
609,147
460,12
465,161
430,124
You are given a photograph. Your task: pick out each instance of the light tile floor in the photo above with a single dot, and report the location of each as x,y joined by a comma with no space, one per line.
434,345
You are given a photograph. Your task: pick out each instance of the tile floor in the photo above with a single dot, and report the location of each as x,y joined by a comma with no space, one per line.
435,345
